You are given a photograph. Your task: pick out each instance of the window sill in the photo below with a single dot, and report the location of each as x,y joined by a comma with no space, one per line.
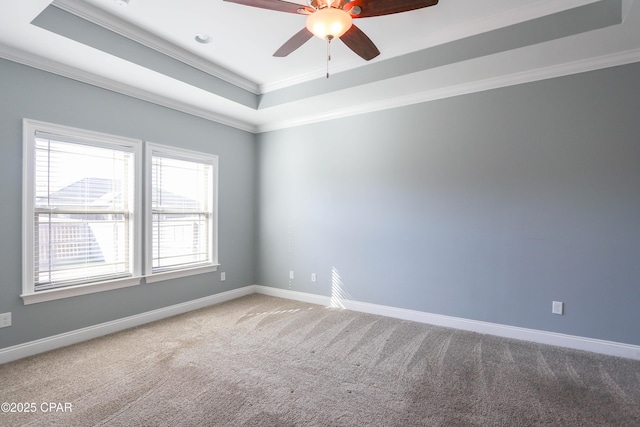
72,291
176,274
90,288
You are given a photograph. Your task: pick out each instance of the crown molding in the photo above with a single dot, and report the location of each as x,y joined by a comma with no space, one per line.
576,67
591,64
63,70
605,61
150,40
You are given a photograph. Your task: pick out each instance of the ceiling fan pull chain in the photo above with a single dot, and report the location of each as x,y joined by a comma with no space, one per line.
329,38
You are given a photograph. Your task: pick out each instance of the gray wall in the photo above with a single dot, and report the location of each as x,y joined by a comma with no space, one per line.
26,92
485,206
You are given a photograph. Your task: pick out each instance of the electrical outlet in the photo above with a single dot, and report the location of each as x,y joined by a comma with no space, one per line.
291,275
5,320
313,277
557,307
223,276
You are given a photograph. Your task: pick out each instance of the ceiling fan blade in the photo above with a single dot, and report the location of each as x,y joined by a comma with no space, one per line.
387,7
358,42
294,42
279,5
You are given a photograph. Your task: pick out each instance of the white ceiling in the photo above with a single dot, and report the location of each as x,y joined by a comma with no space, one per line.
455,47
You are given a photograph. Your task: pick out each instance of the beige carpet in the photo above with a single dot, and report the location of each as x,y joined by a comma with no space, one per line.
264,361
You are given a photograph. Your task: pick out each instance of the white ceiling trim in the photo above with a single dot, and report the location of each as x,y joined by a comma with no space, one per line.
591,64
64,70
604,61
145,38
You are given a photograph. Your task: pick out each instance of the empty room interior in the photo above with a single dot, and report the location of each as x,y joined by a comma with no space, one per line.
429,216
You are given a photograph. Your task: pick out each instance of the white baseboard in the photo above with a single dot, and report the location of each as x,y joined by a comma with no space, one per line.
543,337
294,295
609,348
50,343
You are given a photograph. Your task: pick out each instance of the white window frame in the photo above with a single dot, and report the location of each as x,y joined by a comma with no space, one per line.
188,155
66,133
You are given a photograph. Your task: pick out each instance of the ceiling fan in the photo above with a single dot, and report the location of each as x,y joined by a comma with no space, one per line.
329,19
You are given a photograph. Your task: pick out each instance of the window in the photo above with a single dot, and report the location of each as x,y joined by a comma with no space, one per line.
181,200
80,209
83,216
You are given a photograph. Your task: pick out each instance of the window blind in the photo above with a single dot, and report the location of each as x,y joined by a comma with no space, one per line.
83,201
182,211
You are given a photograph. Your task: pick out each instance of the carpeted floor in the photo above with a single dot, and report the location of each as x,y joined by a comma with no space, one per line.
264,361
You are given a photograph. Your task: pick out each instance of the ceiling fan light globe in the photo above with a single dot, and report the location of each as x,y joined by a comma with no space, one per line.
329,22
